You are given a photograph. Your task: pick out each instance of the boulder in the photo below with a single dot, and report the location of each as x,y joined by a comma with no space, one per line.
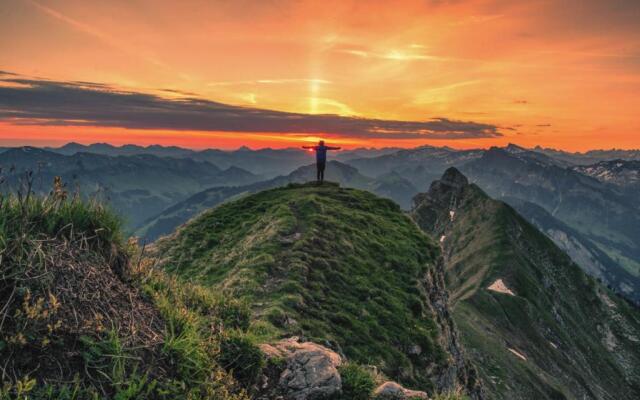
310,370
394,391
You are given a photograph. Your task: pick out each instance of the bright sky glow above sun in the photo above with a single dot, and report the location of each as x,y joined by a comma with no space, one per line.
462,73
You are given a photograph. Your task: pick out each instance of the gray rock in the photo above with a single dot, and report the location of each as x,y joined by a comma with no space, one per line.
311,371
394,391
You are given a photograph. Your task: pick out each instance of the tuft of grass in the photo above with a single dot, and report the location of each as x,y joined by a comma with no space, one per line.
357,382
240,355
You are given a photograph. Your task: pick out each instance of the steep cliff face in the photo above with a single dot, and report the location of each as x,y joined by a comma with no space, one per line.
533,323
461,372
339,267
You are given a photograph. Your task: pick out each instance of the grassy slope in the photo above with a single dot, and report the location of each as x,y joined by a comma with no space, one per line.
579,340
77,323
334,265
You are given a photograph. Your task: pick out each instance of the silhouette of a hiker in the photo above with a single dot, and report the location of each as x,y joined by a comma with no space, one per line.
321,158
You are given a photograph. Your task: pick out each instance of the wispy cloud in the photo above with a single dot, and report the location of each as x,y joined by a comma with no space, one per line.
409,52
270,82
91,31
44,102
442,93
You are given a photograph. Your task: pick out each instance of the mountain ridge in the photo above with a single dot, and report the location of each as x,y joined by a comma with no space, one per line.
320,262
532,322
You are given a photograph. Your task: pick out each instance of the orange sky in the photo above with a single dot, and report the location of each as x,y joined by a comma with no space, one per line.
562,74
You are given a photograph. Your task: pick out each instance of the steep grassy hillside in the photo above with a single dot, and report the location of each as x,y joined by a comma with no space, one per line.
582,251
338,266
77,322
535,325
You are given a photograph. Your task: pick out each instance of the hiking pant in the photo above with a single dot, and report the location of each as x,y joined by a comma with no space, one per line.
320,172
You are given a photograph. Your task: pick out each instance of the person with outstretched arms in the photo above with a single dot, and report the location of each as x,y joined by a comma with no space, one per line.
321,158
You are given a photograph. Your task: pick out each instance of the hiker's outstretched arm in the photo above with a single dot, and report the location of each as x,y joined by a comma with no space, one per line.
334,148
307,147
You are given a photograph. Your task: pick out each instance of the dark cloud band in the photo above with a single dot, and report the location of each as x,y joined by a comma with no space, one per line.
44,102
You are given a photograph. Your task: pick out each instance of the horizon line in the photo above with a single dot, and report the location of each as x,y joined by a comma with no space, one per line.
231,149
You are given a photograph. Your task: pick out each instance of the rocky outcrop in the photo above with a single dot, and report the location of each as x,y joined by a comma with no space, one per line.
459,372
394,391
308,371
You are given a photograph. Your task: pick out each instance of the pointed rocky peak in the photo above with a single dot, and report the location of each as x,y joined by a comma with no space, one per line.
450,184
453,177
514,149
432,209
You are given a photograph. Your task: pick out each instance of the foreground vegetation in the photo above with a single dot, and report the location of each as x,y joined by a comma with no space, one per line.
77,321
337,266
86,315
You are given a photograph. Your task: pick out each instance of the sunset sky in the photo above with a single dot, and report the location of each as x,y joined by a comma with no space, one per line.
462,73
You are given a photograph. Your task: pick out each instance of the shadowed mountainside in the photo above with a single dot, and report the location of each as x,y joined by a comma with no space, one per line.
533,323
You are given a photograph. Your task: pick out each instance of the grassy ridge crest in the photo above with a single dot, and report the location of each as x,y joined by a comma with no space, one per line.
337,266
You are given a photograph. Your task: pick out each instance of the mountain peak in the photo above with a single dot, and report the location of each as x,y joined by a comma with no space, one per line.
453,177
451,184
514,148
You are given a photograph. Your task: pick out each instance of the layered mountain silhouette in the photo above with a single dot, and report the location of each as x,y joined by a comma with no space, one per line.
533,323
592,195
136,186
391,185
264,162
603,215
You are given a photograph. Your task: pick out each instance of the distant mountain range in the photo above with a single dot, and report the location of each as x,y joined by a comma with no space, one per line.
588,204
603,214
589,157
136,186
624,174
265,162
392,186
